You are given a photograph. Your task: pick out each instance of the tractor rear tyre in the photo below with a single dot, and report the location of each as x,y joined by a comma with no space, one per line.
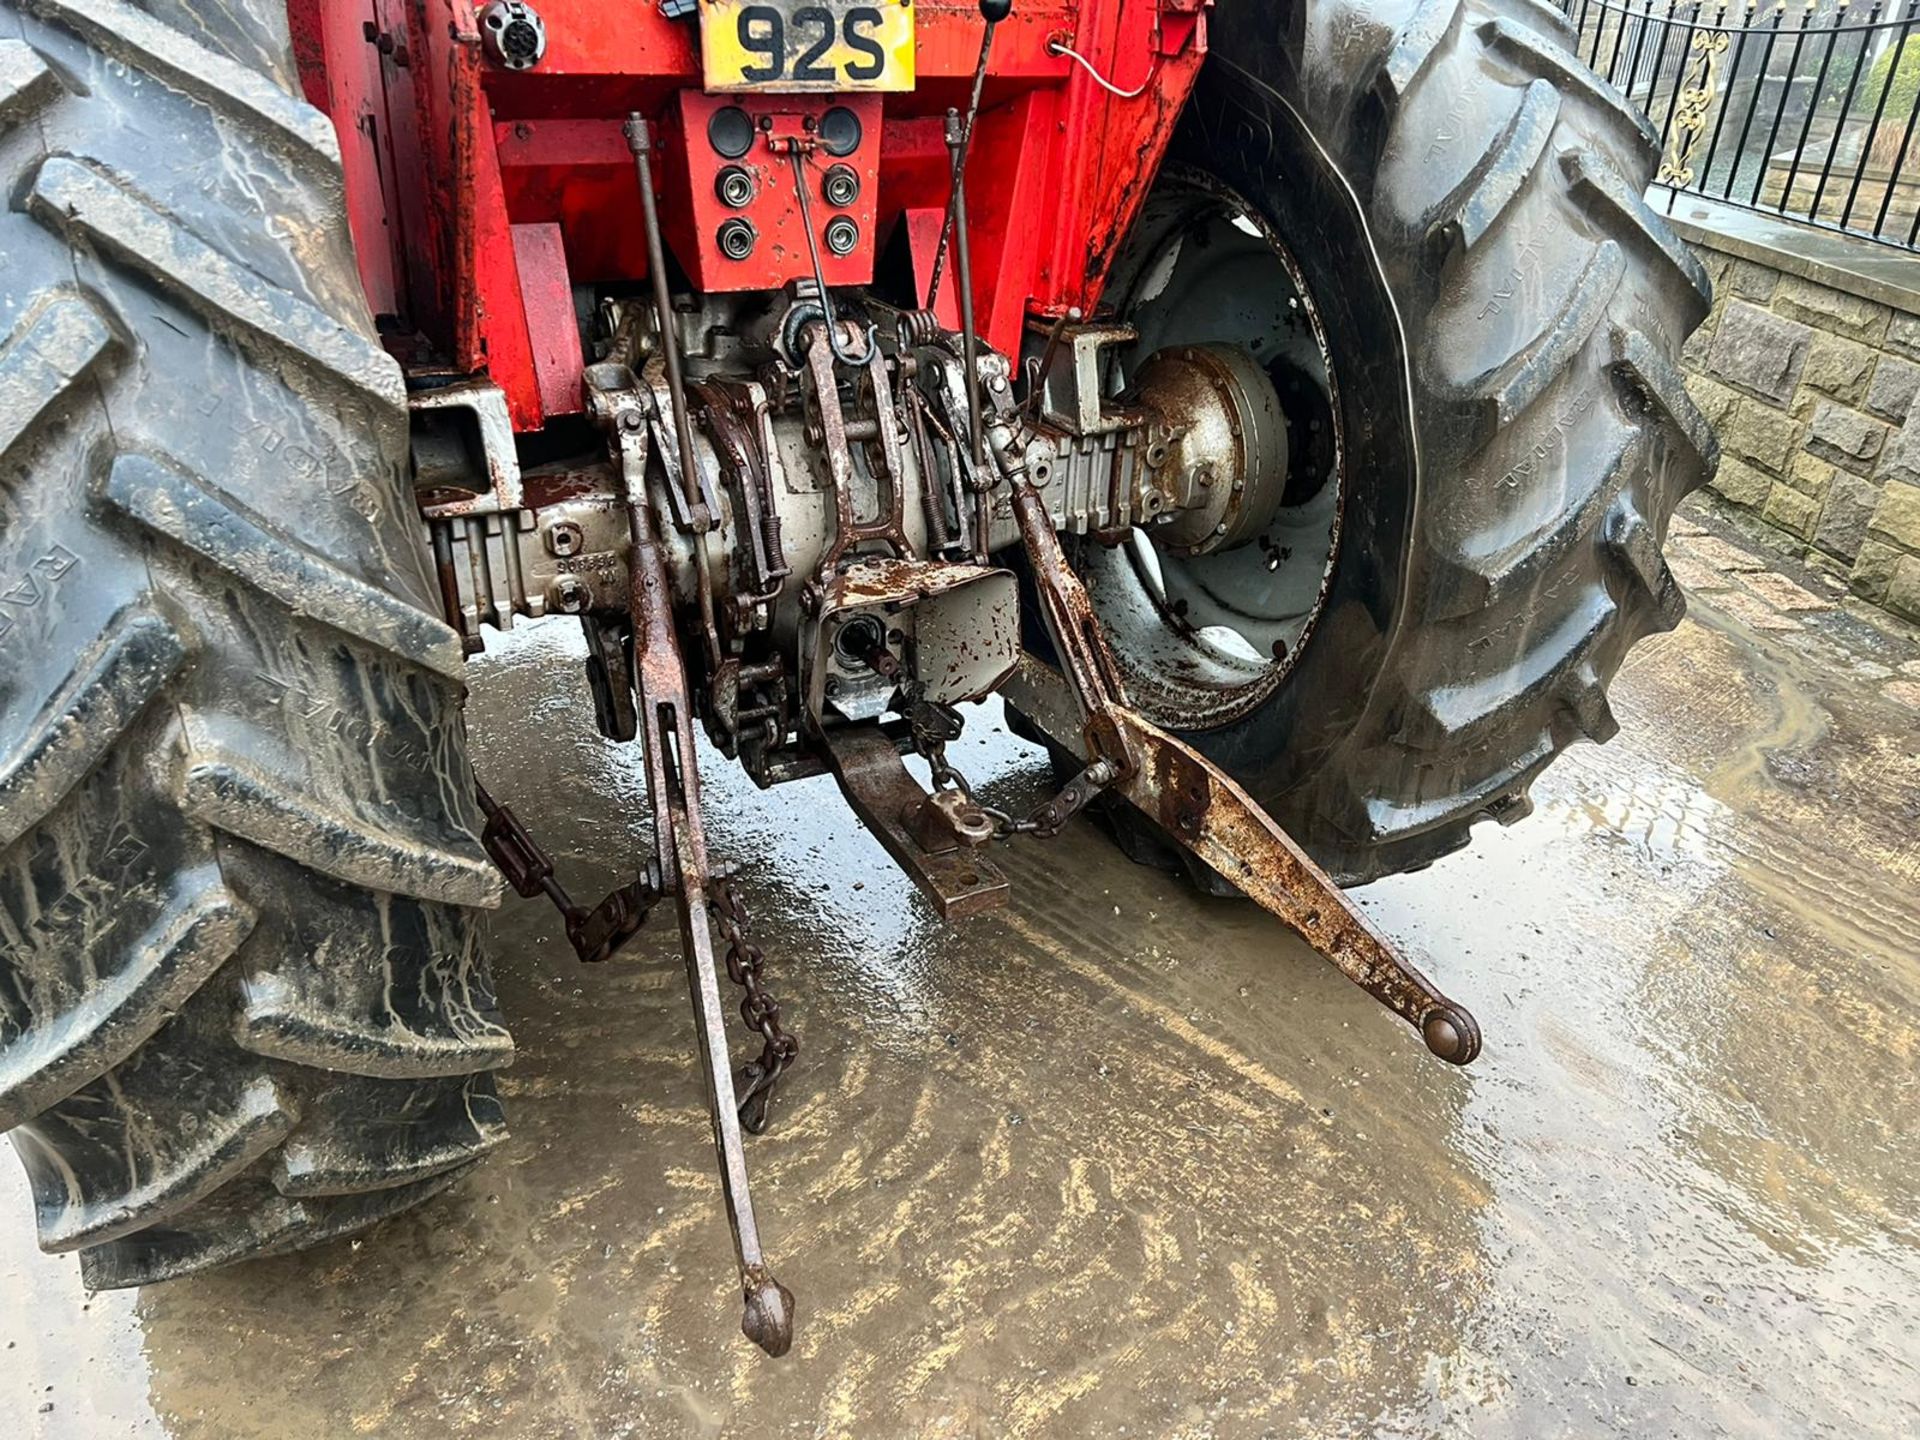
243,1004
1425,219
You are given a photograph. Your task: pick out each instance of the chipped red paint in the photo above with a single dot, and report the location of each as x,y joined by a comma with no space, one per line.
446,155
552,326
691,212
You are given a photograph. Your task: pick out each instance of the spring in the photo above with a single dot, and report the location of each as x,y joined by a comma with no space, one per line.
919,327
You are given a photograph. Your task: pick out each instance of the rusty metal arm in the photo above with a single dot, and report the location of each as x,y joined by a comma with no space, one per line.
1092,674
1193,799
1203,808
665,714
666,726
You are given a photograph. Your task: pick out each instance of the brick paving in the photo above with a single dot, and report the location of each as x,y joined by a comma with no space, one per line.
1724,563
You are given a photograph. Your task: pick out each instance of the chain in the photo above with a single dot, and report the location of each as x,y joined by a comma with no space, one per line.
930,725
754,1085
594,934
1045,821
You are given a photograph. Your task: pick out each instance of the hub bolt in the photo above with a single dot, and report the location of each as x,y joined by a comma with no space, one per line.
842,235
736,239
841,186
734,186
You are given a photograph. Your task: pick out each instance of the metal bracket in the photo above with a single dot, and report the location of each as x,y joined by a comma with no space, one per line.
961,624
450,422
959,879
1073,395
888,525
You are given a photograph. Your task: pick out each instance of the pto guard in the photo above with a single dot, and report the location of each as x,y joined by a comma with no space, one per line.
961,622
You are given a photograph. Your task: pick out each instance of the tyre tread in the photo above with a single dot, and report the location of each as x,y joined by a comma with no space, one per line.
1526,48
110,689
192,938
44,360
75,1208
227,792
165,897
1498,178
190,511
26,81
153,47
1521,622
74,197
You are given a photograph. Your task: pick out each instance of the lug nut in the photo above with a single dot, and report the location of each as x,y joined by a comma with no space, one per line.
736,239
841,186
565,538
842,235
734,186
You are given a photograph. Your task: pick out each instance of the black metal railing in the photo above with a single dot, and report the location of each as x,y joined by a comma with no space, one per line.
1804,109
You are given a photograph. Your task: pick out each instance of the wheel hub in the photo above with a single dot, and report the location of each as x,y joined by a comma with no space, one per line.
1230,454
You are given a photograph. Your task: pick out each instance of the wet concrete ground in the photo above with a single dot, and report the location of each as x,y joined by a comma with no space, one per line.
1122,1161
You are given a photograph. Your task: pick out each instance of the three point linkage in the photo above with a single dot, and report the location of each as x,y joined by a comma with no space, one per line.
870,598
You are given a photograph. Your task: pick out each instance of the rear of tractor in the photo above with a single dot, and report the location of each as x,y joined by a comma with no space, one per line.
1276,403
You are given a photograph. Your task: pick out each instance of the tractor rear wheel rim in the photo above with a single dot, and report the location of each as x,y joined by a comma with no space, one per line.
1206,638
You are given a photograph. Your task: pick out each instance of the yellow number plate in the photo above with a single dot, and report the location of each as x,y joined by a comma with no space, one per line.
806,45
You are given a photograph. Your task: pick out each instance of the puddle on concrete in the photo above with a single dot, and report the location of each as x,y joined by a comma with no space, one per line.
71,1364
1125,1161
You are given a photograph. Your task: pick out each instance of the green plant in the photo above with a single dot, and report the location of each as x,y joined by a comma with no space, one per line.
1902,64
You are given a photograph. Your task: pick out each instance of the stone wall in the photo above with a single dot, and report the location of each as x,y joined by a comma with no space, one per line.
1815,391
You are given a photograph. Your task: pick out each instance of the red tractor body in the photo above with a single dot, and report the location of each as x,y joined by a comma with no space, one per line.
480,195
1282,439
